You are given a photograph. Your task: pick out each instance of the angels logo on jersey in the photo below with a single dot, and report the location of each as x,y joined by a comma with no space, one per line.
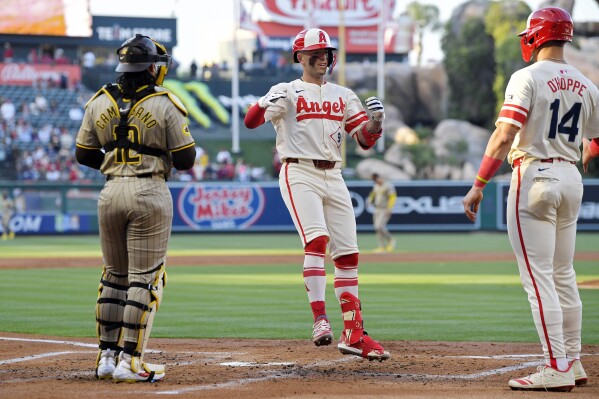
316,110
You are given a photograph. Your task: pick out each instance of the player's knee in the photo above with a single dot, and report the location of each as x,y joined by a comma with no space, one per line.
347,261
317,245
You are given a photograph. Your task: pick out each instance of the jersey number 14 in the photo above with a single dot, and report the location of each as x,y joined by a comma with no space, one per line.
568,124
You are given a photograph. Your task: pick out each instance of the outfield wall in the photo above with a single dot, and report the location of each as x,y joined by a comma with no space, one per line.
257,207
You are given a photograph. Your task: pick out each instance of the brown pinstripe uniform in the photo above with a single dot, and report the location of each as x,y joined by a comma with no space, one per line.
135,208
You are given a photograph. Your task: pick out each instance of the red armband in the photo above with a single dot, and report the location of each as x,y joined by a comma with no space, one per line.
369,138
488,167
594,148
254,117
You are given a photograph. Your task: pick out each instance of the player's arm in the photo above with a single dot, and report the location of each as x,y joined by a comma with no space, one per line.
497,149
184,158
590,150
88,156
255,115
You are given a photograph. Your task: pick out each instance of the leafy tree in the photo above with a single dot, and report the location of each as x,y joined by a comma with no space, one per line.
425,16
470,67
504,21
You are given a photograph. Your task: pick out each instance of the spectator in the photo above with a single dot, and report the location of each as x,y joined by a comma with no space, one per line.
75,112
193,70
60,58
223,156
242,61
89,59
242,171
226,171
9,53
32,57
8,110
52,173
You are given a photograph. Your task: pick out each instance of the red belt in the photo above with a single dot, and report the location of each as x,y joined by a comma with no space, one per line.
518,162
318,163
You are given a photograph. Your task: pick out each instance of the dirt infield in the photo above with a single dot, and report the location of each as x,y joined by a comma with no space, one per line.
36,367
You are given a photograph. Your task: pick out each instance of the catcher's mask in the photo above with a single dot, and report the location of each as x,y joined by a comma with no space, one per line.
544,25
139,53
314,39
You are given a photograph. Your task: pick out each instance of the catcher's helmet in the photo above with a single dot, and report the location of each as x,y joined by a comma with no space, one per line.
544,25
139,52
312,39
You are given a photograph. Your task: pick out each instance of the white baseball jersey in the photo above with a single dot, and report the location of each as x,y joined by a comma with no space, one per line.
311,122
555,106
566,109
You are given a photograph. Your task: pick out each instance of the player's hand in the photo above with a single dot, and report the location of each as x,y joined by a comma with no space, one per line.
586,154
471,202
375,106
271,98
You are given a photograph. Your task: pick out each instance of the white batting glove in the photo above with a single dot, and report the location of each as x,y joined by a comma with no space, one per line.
375,106
271,99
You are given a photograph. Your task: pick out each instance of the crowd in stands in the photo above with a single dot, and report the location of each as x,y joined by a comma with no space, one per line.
37,143
39,124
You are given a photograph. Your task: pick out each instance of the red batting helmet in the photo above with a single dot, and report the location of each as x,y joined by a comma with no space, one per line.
546,24
312,39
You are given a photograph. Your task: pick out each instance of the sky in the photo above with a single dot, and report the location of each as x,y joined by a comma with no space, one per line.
201,28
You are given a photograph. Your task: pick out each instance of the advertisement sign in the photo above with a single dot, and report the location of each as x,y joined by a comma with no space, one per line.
113,31
278,21
17,74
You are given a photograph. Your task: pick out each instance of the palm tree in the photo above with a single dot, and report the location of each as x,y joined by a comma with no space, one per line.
425,16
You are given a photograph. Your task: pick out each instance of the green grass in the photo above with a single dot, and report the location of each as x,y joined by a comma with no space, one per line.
455,301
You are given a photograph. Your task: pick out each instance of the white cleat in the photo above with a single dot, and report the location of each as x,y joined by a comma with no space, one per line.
580,377
106,364
138,371
545,379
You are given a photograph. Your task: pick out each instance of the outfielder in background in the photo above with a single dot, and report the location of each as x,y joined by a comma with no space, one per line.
311,118
134,132
382,198
7,210
549,108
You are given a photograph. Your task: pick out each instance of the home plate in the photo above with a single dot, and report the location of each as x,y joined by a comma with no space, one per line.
254,364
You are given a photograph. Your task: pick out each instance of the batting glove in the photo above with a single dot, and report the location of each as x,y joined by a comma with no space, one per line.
271,98
375,106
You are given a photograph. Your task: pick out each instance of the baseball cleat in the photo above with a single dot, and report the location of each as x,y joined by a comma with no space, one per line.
391,246
322,334
580,377
138,371
366,347
106,364
379,250
545,379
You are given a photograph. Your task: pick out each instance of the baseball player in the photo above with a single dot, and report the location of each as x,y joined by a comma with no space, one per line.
134,132
382,198
549,108
311,118
7,208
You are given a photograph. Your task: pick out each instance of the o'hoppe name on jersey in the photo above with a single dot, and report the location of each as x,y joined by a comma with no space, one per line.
566,84
140,113
315,110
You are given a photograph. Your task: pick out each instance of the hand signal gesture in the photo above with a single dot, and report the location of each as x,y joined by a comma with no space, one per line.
271,98
375,106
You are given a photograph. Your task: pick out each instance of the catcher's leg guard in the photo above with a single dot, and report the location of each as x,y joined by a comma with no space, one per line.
143,300
354,340
110,306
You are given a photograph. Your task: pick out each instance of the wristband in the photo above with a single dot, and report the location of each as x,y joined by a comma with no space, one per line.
488,167
594,148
